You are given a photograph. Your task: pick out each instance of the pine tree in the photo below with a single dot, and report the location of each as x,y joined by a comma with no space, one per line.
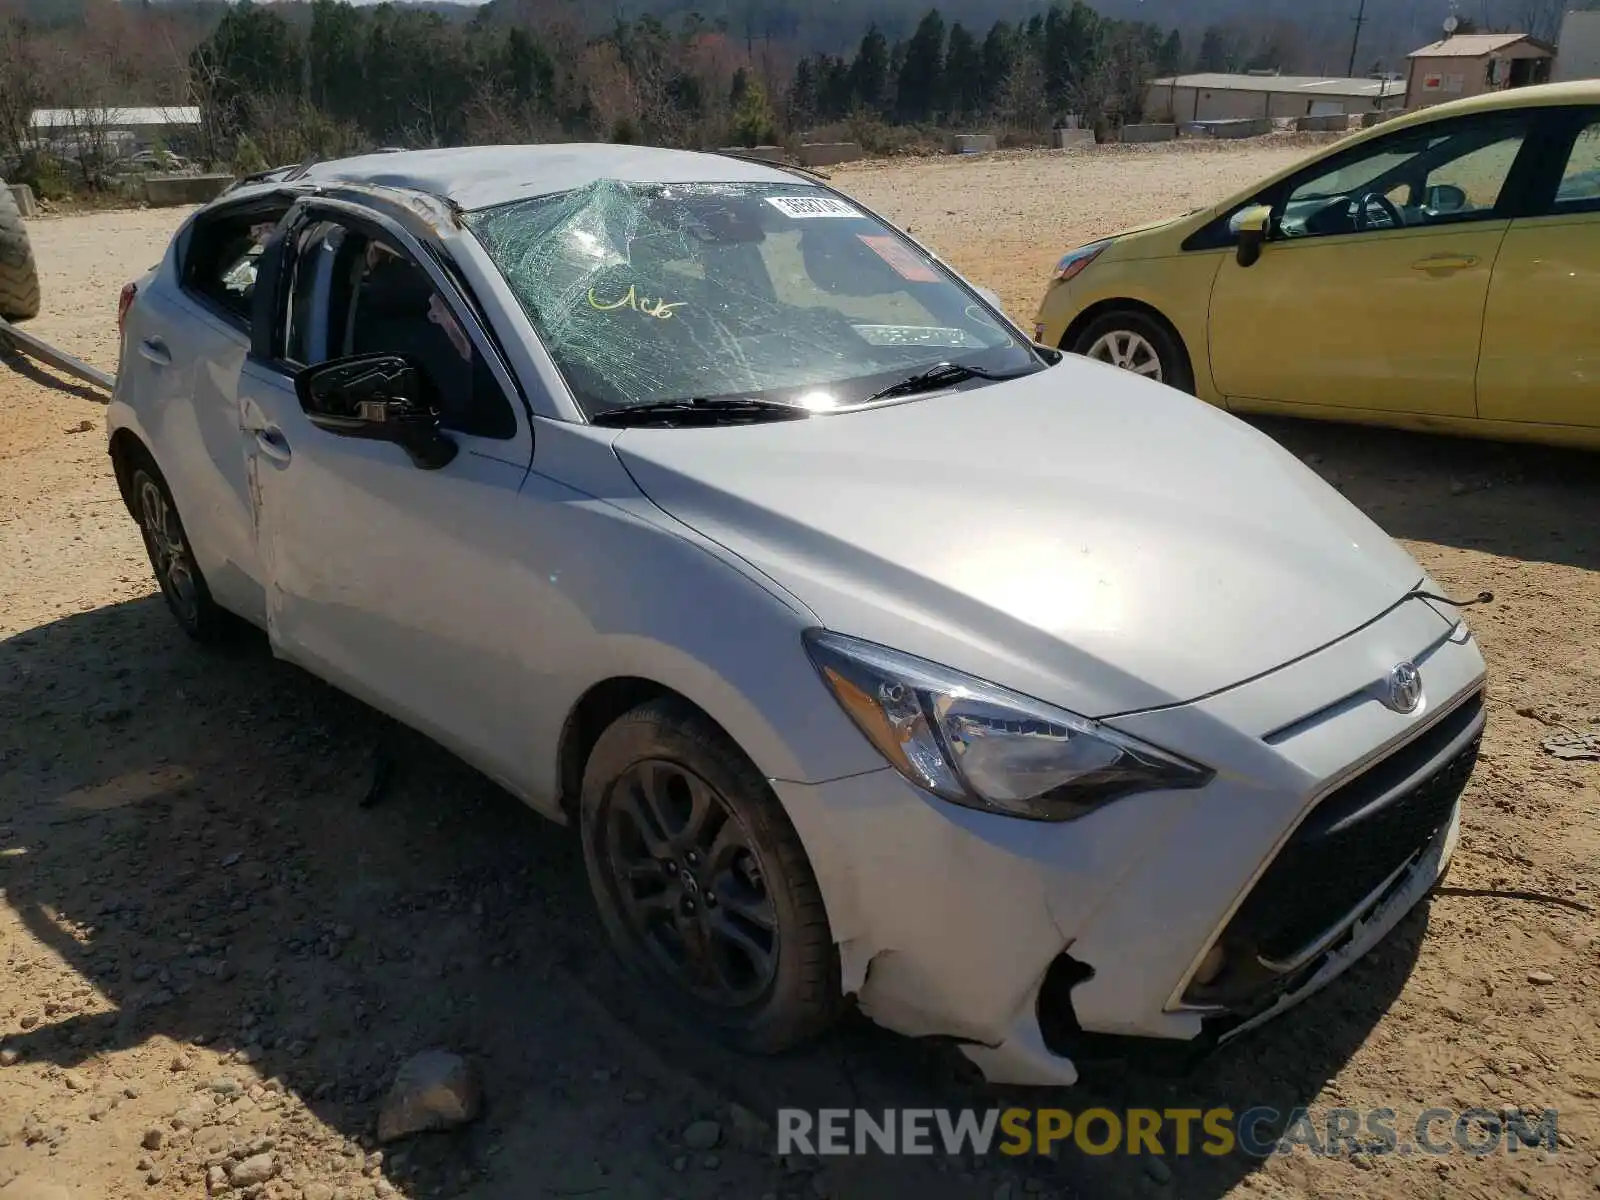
999,49
869,74
1213,50
963,73
922,74
1170,60
752,123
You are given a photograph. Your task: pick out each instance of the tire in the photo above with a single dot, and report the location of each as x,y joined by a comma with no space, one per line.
720,868
183,587
1132,339
19,278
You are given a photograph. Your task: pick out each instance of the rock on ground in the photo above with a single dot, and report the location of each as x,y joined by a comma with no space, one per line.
433,1090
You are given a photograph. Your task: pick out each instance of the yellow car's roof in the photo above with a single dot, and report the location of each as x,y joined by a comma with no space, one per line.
1582,91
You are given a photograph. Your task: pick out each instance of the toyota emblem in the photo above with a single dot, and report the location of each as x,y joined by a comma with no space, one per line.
1405,688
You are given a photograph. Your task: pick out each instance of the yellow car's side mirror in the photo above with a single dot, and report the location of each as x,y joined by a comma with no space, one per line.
1253,226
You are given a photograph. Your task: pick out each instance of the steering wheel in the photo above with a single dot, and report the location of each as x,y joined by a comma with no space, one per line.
1385,205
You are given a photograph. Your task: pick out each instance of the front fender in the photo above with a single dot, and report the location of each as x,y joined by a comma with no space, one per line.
657,601
1178,287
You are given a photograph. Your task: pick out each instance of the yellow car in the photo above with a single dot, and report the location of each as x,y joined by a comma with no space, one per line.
1440,271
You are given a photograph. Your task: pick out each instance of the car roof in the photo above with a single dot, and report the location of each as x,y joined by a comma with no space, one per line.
1577,92
476,177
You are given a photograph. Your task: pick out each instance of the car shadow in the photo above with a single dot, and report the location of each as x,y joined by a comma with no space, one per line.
184,831
1519,501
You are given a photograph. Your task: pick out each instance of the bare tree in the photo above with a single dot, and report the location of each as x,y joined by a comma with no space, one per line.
1542,18
613,97
21,89
1023,104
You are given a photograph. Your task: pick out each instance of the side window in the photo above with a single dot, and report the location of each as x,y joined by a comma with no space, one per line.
1579,190
351,294
220,266
1418,178
324,273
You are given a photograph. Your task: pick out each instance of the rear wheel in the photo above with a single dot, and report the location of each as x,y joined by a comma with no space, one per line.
1137,342
702,883
183,587
19,278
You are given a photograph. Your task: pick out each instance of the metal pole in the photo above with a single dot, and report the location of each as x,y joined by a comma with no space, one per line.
1355,42
25,343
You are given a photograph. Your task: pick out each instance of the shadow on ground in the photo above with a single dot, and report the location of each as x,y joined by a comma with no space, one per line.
1525,502
49,377
184,829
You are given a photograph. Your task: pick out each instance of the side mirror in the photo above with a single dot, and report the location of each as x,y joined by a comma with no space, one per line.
380,397
1253,225
1446,198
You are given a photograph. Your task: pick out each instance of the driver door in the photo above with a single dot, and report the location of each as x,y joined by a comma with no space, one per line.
1370,294
393,579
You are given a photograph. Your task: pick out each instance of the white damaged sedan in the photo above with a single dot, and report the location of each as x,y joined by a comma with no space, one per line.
873,651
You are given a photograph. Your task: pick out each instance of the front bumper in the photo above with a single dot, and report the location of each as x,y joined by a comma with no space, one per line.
1022,939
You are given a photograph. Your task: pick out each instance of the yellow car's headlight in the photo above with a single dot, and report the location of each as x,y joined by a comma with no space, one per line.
1074,262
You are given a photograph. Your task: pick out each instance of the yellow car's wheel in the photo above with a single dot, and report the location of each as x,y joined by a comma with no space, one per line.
1136,342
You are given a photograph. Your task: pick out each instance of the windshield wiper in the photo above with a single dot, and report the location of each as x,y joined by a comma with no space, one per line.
698,411
941,376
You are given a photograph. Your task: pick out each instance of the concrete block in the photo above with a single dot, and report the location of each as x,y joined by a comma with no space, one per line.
775,154
1149,133
828,154
1257,127
163,191
1371,119
973,143
1074,139
1332,123
23,195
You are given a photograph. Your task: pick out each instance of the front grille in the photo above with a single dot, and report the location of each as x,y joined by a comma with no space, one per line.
1355,839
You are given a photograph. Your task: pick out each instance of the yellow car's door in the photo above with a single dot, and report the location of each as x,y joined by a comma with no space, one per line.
1541,336
1369,294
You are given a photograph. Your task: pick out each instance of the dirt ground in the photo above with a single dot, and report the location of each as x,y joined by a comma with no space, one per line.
201,919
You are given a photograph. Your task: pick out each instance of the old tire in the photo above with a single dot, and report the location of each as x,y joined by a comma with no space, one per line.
19,278
1137,342
702,883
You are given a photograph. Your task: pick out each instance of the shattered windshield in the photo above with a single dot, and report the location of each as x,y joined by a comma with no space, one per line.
651,294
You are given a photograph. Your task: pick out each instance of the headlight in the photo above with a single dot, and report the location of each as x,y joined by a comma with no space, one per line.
1073,263
981,746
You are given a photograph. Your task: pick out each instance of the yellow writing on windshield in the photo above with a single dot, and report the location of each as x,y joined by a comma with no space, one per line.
658,308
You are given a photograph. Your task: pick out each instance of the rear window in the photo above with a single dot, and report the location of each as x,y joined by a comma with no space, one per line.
220,266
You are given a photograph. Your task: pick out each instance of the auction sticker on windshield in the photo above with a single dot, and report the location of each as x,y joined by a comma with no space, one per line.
805,207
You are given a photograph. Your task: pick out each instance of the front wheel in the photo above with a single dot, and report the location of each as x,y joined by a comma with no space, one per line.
1137,342
702,883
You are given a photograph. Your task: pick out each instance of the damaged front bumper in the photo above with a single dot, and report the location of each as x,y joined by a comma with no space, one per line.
1176,920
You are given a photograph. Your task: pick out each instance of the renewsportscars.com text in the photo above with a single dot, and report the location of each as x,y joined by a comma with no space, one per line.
1259,1132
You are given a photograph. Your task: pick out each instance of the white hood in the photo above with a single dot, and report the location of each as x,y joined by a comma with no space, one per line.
1096,539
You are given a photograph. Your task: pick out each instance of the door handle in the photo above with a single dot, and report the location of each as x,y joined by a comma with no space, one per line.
1446,262
271,442
154,349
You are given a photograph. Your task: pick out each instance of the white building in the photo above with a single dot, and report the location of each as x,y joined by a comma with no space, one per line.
1215,97
114,131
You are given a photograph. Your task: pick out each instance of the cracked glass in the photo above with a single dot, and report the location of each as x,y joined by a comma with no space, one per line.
650,294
